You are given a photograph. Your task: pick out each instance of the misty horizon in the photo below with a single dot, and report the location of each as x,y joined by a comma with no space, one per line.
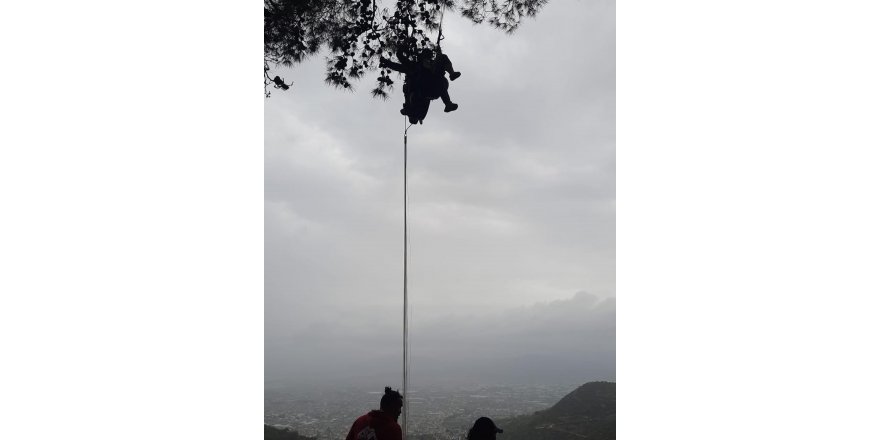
558,342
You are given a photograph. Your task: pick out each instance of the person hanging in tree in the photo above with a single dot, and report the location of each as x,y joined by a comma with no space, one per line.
425,80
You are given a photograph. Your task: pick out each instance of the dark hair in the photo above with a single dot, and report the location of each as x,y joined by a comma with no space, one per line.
390,398
484,428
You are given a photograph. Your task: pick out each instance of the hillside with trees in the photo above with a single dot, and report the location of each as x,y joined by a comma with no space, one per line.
587,413
273,433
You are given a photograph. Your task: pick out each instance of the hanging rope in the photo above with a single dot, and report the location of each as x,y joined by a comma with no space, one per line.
406,351
440,27
405,298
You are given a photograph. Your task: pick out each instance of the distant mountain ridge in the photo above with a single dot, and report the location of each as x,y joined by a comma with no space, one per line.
586,413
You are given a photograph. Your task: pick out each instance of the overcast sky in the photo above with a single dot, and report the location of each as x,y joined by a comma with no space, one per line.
512,214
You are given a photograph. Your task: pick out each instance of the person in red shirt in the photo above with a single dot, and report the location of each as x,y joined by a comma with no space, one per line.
380,424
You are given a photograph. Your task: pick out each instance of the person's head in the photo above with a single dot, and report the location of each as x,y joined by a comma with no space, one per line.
484,429
425,55
392,402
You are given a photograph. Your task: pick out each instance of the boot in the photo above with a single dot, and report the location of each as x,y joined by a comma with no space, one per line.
451,107
454,75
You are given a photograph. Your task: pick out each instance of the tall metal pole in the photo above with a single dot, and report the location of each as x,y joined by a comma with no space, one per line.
405,304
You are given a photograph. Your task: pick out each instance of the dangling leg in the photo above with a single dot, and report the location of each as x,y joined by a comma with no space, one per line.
446,65
418,109
444,95
450,106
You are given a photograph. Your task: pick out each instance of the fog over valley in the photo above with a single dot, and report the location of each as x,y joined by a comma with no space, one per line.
567,341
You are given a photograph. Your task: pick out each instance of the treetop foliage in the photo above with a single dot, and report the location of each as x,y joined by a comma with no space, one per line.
358,32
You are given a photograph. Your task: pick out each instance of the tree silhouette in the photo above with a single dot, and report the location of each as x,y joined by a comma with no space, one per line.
358,32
